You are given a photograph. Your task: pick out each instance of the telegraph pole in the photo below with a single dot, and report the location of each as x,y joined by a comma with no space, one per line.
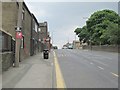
18,35
68,39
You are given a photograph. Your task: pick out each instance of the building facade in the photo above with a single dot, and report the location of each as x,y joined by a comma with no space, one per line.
76,44
43,35
34,36
26,31
9,22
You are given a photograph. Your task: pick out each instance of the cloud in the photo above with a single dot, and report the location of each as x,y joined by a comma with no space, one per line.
64,18
64,34
40,13
38,10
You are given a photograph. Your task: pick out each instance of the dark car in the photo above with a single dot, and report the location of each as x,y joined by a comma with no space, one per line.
55,47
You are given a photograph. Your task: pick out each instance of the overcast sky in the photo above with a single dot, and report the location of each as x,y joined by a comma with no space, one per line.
64,17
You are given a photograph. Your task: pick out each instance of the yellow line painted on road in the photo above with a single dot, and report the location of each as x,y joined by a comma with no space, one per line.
59,78
115,74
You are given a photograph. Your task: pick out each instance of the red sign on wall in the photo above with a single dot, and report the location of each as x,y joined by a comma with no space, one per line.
19,35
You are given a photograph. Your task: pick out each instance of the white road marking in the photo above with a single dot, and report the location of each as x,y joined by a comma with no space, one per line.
85,50
100,62
114,74
100,68
103,57
91,63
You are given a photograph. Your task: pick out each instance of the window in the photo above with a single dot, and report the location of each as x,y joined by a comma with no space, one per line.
0,40
22,42
23,14
6,42
39,30
36,27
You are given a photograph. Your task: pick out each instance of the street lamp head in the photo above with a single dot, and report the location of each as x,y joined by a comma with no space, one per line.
18,28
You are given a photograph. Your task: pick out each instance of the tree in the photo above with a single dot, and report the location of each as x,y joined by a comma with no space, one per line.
83,34
101,28
111,34
78,30
98,24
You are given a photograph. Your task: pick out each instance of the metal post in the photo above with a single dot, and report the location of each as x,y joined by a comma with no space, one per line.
90,45
74,42
18,41
91,41
52,38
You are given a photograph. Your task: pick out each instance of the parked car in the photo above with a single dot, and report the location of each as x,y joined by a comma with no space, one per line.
70,46
65,48
55,47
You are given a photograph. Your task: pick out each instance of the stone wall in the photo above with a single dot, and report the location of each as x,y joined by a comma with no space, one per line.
9,17
26,23
7,60
108,48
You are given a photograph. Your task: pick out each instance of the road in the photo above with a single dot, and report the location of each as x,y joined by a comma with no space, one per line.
70,69
88,69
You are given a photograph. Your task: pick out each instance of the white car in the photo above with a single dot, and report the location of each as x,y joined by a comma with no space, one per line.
64,48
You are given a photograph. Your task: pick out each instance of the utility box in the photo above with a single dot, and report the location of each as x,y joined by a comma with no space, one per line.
45,53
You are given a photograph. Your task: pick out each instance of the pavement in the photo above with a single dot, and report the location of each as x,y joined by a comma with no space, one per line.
34,72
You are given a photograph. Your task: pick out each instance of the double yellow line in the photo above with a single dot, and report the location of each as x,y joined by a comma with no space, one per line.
59,78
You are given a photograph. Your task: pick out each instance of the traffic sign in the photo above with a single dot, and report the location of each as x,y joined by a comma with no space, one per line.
19,35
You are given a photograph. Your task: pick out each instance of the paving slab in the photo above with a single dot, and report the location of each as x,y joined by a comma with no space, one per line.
34,72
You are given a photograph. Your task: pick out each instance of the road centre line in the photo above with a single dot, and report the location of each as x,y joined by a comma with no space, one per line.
96,55
100,68
100,62
59,78
91,63
114,74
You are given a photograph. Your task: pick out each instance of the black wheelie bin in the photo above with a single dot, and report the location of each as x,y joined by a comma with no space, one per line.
45,53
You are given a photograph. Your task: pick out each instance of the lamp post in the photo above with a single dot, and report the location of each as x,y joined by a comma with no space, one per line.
52,38
18,35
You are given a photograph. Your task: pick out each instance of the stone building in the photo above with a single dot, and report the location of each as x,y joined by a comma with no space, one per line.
76,44
9,22
34,36
43,35
48,41
26,30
